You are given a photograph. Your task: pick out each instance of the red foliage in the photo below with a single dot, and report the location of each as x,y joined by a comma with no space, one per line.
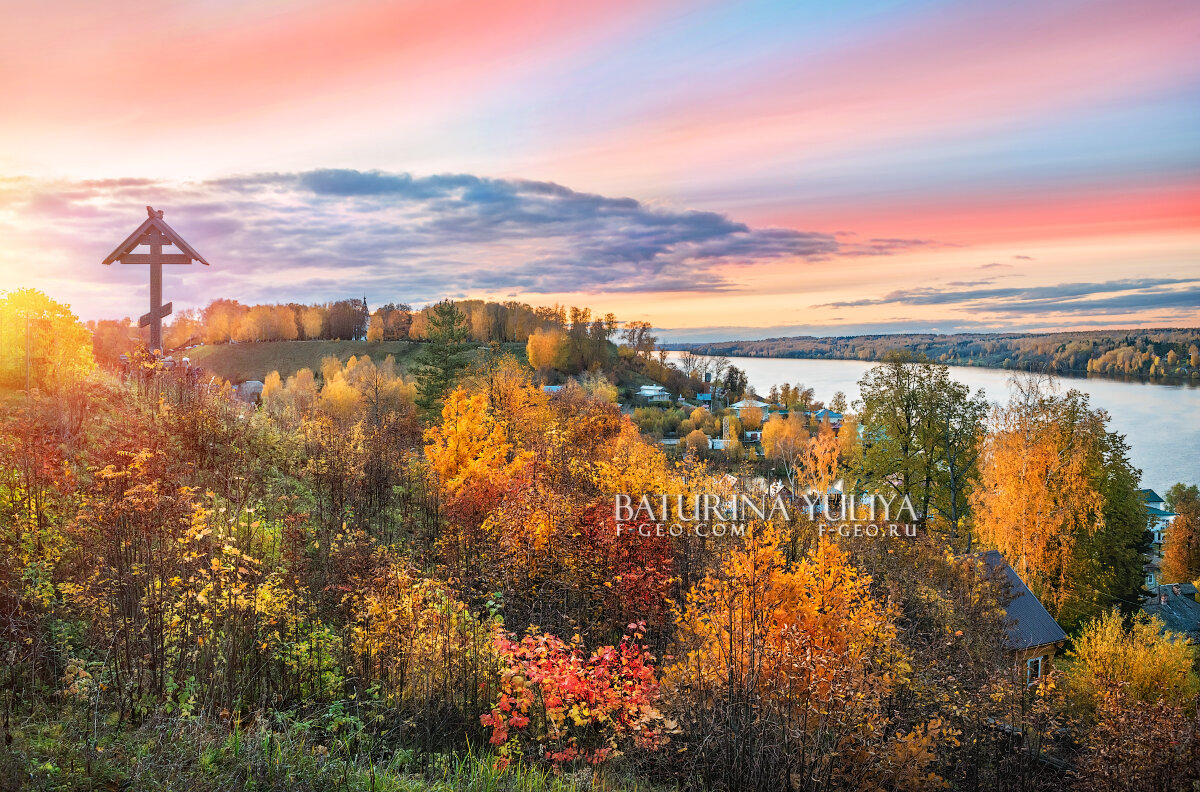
571,705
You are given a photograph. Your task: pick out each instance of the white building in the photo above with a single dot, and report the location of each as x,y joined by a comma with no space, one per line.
654,393
746,404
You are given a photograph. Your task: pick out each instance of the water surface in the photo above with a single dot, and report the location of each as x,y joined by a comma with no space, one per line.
1160,422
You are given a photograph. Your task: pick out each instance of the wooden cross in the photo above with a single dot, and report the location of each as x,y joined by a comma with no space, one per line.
155,233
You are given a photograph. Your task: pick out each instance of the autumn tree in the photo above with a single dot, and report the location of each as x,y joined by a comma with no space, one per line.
346,320
547,350
696,441
819,461
774,665
785,440
1058,497
312,321
1181,547
111,339
469,445
42,342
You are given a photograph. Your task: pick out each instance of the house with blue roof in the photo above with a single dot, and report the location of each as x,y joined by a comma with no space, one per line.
1158,520
834,418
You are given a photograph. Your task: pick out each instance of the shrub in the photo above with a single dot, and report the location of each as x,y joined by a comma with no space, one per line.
564,705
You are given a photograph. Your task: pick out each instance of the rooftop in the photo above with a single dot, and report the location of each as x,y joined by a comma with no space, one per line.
1150,496
1031,624
1176,605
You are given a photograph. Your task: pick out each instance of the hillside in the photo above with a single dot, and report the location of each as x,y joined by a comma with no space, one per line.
1156,354
254,361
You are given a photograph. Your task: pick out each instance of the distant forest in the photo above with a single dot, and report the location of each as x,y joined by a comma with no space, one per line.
1146,354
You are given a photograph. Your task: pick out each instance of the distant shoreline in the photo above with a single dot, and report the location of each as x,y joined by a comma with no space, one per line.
1165,356
1070,373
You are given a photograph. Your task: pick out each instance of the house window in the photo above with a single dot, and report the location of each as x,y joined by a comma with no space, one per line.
1033,669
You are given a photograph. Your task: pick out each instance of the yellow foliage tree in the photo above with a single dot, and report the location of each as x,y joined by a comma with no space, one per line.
1036,502
469,443
785,440
631,466
696,441
375,329
793,656
547,349
820,460
1147,663
341,401
58,346
312,320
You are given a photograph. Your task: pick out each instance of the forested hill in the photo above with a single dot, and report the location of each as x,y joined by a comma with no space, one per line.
1150,353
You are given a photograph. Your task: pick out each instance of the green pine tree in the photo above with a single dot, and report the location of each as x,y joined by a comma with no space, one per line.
443,358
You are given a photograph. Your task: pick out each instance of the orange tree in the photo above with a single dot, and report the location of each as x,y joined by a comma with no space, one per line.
782,673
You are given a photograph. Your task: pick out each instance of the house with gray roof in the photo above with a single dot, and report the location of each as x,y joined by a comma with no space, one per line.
1176,605
1034,637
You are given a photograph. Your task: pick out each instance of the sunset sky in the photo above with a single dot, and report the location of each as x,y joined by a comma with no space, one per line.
721,169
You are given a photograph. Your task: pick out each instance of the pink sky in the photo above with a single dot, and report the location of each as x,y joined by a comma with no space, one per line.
1015,146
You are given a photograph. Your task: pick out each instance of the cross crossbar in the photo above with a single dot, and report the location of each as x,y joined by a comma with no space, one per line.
155,234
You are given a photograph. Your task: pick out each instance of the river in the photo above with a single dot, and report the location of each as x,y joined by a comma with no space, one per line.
1160,422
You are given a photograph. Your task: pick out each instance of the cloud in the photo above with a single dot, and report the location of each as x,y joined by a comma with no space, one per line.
995,265
327,233
1068,298
1025,258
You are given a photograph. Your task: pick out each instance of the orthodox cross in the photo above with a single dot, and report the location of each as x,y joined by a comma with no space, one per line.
155,233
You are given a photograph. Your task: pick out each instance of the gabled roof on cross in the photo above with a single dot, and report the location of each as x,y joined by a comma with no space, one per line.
154,222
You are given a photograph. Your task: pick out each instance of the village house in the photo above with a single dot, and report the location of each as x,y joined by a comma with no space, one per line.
746,404
1158,520
654,393
834,418
1034,637
1176,605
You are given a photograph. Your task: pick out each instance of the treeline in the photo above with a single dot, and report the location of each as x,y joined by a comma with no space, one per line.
226,321
1148,353
560,341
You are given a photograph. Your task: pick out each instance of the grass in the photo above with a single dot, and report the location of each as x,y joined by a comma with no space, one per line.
241,362
49,752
